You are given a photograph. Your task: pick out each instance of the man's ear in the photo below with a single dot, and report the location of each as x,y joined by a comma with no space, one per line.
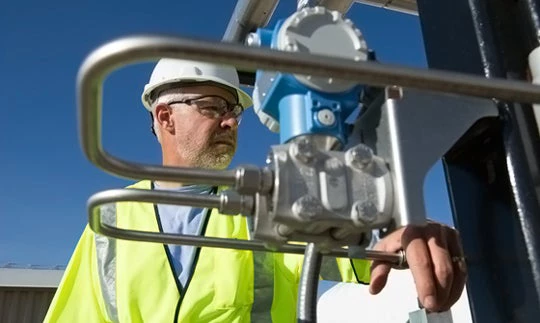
163,115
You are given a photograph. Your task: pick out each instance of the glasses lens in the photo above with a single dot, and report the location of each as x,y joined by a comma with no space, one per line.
216,103
237,110
215,107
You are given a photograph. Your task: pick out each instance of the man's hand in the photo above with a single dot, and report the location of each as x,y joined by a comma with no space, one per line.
435,258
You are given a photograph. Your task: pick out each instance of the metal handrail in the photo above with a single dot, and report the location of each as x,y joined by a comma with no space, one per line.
135,49
167,197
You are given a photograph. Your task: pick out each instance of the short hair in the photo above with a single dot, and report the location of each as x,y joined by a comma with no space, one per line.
161,97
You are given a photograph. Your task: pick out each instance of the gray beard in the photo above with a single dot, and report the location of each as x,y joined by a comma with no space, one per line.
214,161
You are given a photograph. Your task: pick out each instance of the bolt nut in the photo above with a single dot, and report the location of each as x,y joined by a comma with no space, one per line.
364,212
251,179
360,156
307,207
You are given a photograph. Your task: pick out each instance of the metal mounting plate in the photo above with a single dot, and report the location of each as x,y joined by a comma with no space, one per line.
411,131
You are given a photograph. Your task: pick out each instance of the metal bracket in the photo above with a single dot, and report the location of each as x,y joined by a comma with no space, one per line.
411,131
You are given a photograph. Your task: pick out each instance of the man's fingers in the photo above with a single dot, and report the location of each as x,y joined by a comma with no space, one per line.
459,268
442,263
379,276
434,256
419,260
379,269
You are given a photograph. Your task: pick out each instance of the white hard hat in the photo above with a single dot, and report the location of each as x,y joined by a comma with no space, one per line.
170,71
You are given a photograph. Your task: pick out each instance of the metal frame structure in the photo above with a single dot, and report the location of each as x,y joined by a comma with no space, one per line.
492,171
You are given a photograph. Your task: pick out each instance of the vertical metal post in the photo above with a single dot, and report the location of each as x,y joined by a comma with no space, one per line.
248,15
491,171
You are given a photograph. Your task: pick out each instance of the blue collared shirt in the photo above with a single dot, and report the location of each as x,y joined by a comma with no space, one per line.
183,220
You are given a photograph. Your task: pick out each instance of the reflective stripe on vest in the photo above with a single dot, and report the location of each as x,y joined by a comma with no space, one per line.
263,287
106,260
330,269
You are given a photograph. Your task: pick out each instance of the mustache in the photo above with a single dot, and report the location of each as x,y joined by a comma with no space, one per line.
227,136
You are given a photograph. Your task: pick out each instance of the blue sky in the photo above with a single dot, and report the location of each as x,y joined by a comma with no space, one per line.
47,178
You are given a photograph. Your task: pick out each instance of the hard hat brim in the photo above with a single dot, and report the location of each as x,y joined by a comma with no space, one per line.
243,98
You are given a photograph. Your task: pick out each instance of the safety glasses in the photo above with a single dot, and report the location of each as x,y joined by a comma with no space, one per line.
214,106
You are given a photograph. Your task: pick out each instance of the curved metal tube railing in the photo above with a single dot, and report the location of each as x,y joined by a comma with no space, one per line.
166,197
135,49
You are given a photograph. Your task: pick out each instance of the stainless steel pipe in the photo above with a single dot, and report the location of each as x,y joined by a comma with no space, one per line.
134,49
123,195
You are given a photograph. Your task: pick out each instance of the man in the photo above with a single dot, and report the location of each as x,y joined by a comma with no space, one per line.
196,108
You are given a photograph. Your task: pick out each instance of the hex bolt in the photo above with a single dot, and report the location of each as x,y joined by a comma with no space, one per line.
307,207
364,212
360,156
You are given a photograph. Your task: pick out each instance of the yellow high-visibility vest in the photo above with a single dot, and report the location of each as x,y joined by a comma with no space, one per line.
110,280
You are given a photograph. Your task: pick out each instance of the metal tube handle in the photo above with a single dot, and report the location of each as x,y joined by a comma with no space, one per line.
123,195
133,49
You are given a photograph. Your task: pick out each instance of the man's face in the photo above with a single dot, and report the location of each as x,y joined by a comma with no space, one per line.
200,140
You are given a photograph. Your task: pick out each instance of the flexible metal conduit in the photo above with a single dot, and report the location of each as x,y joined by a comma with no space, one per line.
307,287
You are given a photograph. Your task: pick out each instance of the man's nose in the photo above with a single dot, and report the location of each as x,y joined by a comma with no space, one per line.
229,122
